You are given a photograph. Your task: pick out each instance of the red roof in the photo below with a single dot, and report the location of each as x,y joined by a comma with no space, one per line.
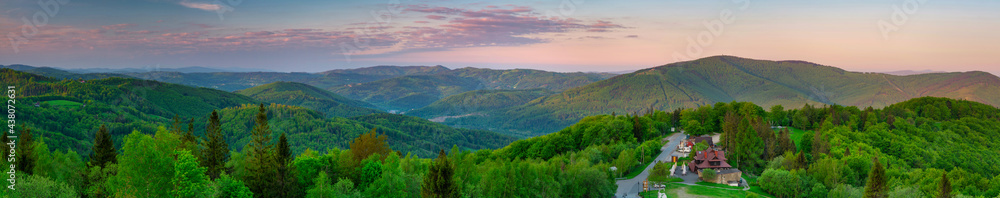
704,159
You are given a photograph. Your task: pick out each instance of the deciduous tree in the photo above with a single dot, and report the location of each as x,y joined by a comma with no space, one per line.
189,178
368,144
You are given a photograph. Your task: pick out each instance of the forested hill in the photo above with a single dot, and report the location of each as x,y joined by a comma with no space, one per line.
468,103
68,113
391,71
527,78
309,129
407,92
831,151
726,78
298,94
410,92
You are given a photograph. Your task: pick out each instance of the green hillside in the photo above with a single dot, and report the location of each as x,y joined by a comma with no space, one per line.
477,101
309,129
390,71
58,73
724,79
407,92
227,81
298,94
70,111
526,78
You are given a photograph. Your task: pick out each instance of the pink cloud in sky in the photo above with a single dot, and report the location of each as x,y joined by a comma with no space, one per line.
117,26
201,6
461,28
436,17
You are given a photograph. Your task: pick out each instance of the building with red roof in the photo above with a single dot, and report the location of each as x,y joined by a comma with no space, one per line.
709,158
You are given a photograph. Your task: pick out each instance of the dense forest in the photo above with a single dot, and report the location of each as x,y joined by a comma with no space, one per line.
67,112
706,81
919,148
298,94
925,147
141,147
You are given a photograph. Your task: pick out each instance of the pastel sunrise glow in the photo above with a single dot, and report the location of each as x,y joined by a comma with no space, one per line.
555,35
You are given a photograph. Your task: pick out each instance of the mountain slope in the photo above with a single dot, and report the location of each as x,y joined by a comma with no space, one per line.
59,74
725,78
68,112
309,129
407,92
526,78
390,71
475,101
298,94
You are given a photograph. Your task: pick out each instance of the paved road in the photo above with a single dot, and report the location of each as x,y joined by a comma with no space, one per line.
631,187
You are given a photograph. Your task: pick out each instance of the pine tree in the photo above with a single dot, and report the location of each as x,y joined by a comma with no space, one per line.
216,151
876,186
175,126
439,181
260,171
638,129
189,136
104,149
729,127
944,187
283,158
5,152
800,161
25,151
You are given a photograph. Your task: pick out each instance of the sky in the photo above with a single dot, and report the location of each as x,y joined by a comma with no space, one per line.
554,35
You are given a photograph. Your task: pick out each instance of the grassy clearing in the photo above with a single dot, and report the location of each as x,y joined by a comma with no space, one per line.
796,134
718,185
63,103
676,190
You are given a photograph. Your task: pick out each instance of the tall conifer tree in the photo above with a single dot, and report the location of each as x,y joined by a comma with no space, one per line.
216,151
104,148
25,151
876,186
439,181
944,187
260,172
283,157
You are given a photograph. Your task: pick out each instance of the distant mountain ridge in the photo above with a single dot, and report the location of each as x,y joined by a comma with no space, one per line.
911,72
726,78
409,92
298,94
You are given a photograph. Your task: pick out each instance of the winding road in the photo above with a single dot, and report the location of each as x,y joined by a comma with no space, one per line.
631,187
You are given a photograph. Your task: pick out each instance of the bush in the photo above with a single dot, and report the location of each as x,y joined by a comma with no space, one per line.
708,175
